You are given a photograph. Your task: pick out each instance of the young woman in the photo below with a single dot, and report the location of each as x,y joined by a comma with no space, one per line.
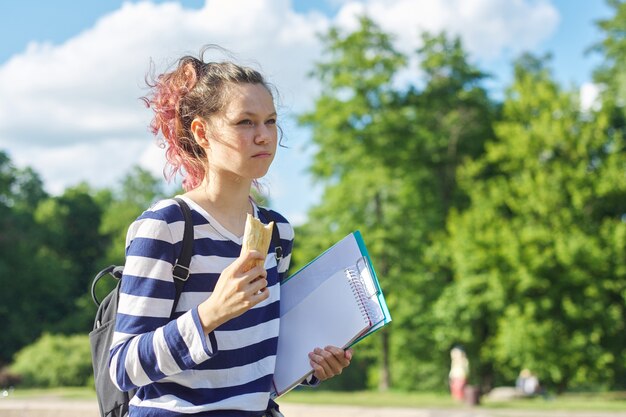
216,356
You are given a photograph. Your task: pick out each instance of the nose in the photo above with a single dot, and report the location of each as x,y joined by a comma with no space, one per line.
264,134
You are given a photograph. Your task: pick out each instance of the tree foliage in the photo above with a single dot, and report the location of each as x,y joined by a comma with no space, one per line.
497,226
349,133
28,273
388,157
611,73
52,246
55,360
539,255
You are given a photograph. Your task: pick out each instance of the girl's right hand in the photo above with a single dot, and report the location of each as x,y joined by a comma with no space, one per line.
236,292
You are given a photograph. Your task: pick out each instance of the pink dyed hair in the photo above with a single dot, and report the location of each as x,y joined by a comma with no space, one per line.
194,88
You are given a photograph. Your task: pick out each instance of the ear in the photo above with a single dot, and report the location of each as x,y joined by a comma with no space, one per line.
199,130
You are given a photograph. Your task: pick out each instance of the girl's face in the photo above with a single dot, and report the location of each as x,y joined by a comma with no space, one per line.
241,139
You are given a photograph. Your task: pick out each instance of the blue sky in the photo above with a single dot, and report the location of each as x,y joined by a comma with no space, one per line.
51,50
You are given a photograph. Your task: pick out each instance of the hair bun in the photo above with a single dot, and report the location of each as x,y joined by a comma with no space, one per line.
188,78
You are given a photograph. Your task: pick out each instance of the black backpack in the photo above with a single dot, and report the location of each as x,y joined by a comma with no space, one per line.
113,402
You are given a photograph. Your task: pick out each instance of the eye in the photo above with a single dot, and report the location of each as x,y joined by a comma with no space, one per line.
270,122
245,122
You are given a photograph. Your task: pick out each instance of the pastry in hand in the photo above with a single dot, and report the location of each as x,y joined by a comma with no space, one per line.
256,236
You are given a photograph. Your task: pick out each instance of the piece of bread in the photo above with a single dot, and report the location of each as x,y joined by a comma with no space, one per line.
256,236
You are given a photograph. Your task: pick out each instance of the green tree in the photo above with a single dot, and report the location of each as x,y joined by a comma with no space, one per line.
137,191
387,154
539,257
33,295
611,74
71,222
348,132
52,246
452,121
69,226
445,123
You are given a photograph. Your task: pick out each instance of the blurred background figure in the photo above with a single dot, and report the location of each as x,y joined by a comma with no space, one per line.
527,383
459,371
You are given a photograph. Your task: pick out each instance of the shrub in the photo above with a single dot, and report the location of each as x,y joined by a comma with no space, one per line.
8,379
55,361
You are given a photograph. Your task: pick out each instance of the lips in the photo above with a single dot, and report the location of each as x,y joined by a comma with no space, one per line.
262,155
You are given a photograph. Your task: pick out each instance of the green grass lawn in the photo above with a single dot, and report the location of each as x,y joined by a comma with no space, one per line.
66,393
578,401
611,401
369,398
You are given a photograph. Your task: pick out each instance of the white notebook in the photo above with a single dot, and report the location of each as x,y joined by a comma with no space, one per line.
333,301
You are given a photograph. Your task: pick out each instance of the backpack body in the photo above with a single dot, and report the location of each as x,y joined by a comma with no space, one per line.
112,401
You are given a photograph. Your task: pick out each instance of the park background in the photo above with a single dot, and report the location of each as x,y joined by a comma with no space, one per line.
486,173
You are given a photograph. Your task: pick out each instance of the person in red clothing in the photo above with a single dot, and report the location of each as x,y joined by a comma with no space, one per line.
459,372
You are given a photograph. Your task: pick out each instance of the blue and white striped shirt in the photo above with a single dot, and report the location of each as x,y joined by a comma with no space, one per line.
178,368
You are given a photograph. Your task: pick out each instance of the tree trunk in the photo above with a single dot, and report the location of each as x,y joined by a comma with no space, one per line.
385,375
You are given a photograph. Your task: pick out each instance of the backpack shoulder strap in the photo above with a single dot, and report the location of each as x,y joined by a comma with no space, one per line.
275,234
181,269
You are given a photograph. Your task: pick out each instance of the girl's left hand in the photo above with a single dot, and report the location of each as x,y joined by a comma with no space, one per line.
329,362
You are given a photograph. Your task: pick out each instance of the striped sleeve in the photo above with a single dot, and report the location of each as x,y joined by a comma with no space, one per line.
147,346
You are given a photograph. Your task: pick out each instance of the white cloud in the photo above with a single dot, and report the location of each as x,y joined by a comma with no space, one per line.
64,107
153,159
87,89
589,97
65,166
487,27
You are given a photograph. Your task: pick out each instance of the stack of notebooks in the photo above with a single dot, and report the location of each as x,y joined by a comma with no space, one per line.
335,300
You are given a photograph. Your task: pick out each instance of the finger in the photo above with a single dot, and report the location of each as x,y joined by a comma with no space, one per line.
318,373
256,273
253,254
318,370
250,274
247,258
333,362
327,362
259,296
339,354
349,354
257,286
318,364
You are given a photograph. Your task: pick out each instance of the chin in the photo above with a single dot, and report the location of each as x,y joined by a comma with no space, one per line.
257,174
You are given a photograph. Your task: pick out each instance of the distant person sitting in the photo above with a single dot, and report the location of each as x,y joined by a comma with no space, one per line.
527,383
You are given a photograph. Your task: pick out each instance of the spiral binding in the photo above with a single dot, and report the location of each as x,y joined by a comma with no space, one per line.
359,292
